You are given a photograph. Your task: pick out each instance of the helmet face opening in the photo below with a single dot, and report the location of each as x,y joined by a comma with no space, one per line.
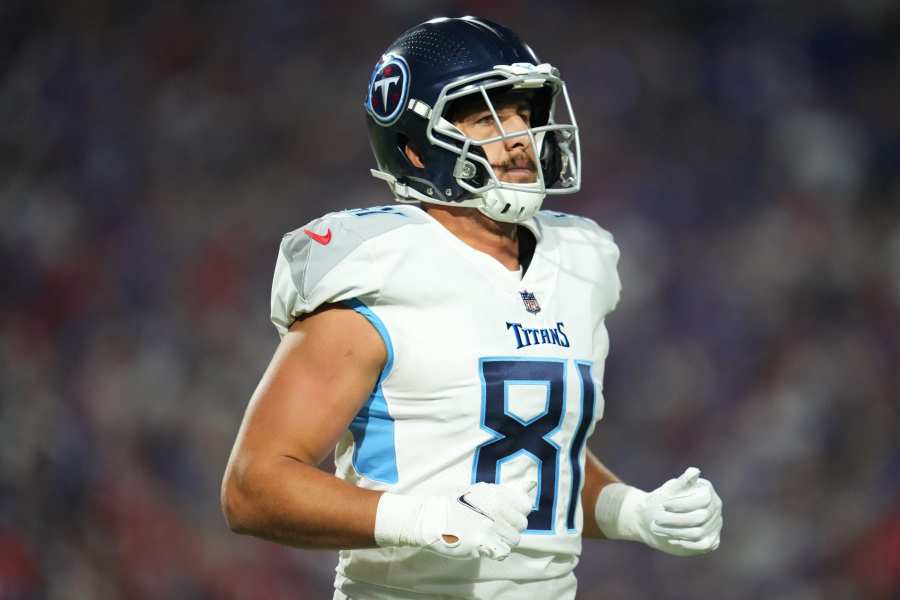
437,72
459,109
556,144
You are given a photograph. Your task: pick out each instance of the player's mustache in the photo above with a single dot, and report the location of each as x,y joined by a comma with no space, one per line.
523,162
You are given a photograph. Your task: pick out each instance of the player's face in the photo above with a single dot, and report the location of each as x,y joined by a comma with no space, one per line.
512,158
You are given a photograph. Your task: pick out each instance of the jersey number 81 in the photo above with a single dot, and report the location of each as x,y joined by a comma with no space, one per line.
513,435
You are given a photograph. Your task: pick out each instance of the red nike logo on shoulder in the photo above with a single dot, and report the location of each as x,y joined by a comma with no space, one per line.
322,239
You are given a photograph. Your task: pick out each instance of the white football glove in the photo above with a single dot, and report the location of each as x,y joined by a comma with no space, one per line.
486,520
682,517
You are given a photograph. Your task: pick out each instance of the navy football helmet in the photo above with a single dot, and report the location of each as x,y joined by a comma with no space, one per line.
444,60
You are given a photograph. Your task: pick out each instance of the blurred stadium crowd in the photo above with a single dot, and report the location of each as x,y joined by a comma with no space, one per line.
746,155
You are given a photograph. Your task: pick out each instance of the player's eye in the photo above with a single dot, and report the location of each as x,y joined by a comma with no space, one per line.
487,119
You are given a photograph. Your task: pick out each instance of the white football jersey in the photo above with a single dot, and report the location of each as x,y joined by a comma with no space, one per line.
489,377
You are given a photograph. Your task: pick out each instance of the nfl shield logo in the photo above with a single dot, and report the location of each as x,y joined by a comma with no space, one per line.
531,303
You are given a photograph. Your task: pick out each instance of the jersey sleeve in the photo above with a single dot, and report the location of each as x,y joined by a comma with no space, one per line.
321,263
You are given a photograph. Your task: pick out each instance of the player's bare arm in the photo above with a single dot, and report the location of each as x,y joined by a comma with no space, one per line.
596,477
321,374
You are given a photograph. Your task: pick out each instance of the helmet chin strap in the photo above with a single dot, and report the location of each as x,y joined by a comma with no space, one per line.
512,206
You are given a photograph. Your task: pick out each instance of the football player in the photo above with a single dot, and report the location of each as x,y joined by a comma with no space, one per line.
450,350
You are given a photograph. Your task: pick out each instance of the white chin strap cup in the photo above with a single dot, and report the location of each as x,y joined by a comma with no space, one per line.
512,206
499,204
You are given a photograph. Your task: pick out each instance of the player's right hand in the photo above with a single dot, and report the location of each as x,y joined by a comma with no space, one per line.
486,520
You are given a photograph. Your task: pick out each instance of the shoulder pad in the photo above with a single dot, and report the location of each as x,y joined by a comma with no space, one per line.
551,216
577,232
314,249
572,223
327,260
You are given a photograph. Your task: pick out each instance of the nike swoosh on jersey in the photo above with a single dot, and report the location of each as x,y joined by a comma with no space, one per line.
322,239
462,500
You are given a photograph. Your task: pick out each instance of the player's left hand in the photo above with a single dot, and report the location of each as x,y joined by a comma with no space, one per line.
684,515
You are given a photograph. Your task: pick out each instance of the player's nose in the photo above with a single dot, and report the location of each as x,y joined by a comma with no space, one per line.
513,125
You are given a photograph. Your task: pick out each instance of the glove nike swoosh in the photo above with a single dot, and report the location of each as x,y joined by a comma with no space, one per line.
462,500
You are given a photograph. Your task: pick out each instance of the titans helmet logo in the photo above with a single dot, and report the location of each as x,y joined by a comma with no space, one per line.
388,90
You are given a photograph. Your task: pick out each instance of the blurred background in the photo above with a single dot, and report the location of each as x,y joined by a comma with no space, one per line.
745,154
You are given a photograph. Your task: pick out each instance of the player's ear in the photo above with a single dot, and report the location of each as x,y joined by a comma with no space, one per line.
413,157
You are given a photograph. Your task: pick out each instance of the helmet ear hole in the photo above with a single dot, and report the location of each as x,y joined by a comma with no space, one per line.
410,152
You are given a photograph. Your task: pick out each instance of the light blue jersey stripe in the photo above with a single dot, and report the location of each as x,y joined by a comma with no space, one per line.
374,452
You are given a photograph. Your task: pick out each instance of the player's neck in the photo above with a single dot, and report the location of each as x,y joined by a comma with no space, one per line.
499,240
